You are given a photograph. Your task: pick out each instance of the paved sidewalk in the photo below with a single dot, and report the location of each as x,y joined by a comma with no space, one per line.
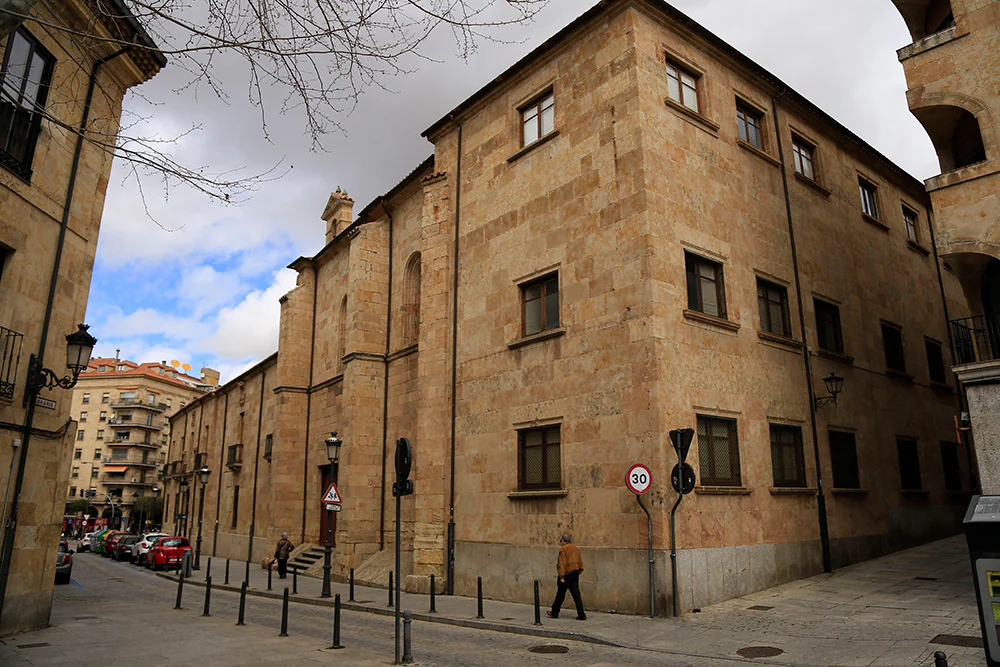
882,612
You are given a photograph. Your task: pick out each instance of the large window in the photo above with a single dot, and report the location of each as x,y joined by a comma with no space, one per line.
935,361
718,452
802,153
772,300
538,119
539,459
27,69
892,343
909,464
910,222
541,304
748,121
705,286
828,332
787,460
682,86
844,460
869,197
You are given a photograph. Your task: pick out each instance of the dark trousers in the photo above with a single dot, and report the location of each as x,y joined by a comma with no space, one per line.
570,582
282,568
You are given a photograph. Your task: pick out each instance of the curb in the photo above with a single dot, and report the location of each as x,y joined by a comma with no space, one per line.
417,616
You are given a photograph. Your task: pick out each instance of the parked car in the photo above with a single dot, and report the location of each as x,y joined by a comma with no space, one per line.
167,551
64,563
123,549
108,548
143,545
86,541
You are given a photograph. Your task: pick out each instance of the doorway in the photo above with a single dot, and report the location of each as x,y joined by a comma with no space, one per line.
328,475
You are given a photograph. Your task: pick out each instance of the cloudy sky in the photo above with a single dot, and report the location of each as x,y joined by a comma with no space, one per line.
179,276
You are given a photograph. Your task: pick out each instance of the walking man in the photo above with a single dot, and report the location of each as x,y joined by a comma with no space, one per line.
282,552
569,566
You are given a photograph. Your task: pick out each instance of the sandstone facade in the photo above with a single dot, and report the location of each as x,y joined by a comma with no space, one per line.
654,227
45,278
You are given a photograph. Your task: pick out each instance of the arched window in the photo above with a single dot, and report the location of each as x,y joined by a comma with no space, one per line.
410,311
955,134
342,337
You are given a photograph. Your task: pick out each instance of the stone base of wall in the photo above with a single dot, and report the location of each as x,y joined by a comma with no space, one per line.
982,388
908,527
25,612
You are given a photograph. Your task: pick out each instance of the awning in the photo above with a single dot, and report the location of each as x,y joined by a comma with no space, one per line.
115,468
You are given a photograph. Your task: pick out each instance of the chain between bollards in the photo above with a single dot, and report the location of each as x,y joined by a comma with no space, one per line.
433,608
390,592
180,589
479,597
208,595
243,603
227,572
940,659
351,598
268,576
407,654
295,582
336,621
284,614
538,606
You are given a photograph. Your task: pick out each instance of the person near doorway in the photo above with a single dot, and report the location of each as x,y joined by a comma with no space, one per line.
569,566
282,552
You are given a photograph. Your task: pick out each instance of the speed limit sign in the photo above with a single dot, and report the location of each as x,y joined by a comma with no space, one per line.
639,479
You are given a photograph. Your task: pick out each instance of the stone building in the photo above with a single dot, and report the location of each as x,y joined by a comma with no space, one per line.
633,229
52,189
123,411
959,106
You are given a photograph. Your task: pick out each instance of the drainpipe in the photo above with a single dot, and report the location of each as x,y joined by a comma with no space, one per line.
450,555
256,465
222,465
824,529
10,530
385,392
305,446
973,465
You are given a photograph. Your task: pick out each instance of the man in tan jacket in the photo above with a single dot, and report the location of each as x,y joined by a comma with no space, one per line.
569,566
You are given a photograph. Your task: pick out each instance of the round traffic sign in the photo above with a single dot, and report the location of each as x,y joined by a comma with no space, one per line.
638,479
682,478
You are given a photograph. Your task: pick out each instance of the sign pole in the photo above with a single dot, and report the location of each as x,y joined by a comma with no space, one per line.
402,487
683,482
673,545
652,571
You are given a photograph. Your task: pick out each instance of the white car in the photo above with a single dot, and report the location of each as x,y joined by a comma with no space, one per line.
143,545
85,542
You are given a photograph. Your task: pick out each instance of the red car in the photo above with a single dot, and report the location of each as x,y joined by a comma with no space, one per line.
167,552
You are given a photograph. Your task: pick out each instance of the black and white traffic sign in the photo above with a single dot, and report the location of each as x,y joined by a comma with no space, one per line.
682,478
639,479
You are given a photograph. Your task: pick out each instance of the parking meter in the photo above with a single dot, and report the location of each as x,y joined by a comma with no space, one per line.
982,532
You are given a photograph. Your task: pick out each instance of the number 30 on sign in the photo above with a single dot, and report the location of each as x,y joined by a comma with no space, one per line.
638,479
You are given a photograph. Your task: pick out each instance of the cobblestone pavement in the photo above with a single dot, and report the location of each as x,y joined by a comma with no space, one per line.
882,612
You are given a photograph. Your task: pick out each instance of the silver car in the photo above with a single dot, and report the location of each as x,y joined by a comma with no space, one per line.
143,545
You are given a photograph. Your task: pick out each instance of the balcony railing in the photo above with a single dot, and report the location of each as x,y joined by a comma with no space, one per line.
137,403
130,424
133,461
977,339
10,357
234,457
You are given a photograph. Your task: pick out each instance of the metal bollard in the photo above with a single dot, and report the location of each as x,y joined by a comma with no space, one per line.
243,603
351,599
227,572
284,614
180,590
390,588
295,582
479,596
268,577
208,569
433,609
208,596
246,574
407,655
940,659
538,606
336,622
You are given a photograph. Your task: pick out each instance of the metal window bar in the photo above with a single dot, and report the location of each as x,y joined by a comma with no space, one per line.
976,339
10,346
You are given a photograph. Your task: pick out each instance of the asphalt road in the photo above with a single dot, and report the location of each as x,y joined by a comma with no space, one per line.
117,609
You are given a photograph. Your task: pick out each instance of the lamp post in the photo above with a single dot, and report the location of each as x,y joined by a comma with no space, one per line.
333,445
834,385
135,502
79,345
203,478
182,517
156,495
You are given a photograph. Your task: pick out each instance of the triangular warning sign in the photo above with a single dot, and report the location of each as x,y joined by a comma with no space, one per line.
331,496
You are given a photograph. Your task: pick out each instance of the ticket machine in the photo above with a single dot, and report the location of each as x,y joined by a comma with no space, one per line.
982,531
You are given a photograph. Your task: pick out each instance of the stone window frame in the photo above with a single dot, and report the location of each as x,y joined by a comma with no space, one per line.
77,454
838,344
753,110
786,319
80,434
951,467
803,140
893,347
693,261
86,398
837,461
545,428
681,69
525,282
800,481
22,167
911,222
910,474
871,203
706,463
537,103
941,377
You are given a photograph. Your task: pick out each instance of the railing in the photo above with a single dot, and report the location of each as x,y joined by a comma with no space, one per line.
234,456
137,403
133,461
130,424
10,349
977,339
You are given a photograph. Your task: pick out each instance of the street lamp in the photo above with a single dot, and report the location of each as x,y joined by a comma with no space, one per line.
834,385
182,517
203,478
333,445
156,494
135,501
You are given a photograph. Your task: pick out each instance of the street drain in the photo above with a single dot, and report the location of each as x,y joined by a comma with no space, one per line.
549,648
86,618
759,652
507,619
42,645
925,578
958,640
759,607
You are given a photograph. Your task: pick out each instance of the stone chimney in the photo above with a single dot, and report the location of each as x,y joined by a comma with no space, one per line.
210,376
338,214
